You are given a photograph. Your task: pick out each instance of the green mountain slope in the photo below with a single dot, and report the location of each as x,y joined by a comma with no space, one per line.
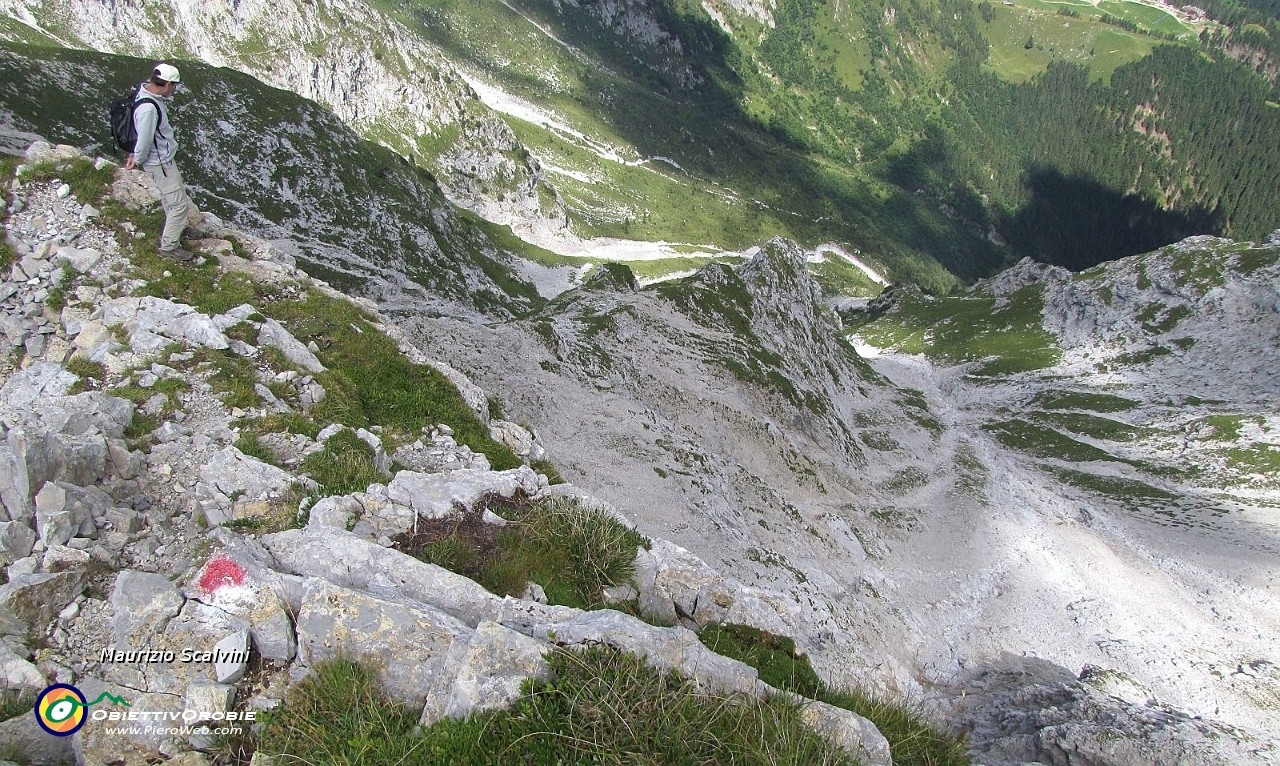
906,130
265,159
1145,380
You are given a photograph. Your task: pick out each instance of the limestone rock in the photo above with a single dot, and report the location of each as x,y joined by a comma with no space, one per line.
81,260
517,438
64,511
142,604
433,496
229,473
326,553
231,657
670,579
417,648
31,602
240,581
273,333
16,541
16,672
99,743
497,661
853,733
147,317
25,737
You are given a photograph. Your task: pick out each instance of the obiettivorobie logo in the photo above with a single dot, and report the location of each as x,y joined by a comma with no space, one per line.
61,709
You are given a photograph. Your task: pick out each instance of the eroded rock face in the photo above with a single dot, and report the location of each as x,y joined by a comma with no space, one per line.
1020,712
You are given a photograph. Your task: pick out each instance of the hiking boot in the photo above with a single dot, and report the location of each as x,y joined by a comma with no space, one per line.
196,232
178,254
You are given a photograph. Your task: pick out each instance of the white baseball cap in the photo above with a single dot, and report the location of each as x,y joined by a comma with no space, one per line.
168,73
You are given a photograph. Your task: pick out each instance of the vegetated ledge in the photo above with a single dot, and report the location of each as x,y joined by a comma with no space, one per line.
135,521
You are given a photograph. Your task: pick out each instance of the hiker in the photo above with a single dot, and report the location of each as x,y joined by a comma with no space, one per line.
155,152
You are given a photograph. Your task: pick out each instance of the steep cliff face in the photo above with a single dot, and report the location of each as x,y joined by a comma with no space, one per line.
726,412
379,78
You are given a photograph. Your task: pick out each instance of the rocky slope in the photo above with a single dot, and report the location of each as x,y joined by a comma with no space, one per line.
384,82
118,540
913,546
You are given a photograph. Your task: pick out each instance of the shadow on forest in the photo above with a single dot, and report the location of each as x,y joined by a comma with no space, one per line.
690,107
1077,223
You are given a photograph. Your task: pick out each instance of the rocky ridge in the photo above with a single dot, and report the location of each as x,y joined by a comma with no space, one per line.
116,544
874,503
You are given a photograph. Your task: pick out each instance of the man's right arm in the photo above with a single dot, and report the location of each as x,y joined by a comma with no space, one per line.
146,117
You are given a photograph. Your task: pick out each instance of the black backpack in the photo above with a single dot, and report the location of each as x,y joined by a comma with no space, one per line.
122,128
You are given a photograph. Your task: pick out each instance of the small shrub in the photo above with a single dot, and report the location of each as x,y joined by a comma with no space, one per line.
14,703
548,469
595,550
91,374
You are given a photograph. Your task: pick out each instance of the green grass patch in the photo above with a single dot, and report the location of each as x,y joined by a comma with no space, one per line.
345,465
1042,441
548,469
14,703
971,473
905,481
1006,338
1201,269
573,552
231,376
1256,459
916,407
1052,399
1094,426
92,374
88,184
603,707
288,422
1134,494
776,658
1225,427
1083,39
251,444
1255,259
1145,356
370,382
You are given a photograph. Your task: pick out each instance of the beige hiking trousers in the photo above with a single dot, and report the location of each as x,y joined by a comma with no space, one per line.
179,210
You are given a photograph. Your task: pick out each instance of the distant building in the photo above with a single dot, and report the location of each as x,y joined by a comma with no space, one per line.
1194,13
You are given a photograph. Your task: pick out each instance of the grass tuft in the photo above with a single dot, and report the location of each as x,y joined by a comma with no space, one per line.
913,740
603,707
573,552
345,465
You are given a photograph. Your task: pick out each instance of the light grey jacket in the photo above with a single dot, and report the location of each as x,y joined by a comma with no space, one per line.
154,147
